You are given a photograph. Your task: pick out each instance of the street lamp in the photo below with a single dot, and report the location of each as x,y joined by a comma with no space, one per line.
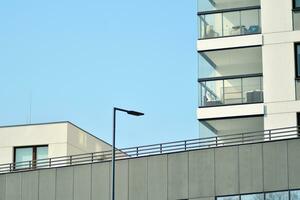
113,159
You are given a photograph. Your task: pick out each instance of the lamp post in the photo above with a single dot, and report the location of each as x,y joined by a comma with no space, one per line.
113,159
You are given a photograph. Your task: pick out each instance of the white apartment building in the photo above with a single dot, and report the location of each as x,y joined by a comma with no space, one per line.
249,65
27,143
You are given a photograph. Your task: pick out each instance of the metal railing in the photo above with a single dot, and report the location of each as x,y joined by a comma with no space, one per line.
155,149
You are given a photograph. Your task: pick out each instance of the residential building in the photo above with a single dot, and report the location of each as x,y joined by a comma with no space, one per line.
248,65
30,142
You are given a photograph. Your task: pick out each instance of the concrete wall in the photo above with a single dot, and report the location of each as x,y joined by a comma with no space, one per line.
194,175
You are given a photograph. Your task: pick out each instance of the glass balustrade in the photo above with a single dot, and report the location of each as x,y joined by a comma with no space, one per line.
231,90
229,23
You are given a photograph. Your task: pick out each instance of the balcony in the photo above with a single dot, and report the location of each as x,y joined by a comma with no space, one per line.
231,90
229,22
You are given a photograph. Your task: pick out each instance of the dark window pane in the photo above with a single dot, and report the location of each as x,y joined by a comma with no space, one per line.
298,59
295,195
23,156
277,196
297,3
253,197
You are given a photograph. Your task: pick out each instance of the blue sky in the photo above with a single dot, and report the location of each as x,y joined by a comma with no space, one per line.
79,59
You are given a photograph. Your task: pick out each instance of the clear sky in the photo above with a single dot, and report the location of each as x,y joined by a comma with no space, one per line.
77,59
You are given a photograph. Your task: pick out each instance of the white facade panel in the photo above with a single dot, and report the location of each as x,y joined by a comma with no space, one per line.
230,111
229,42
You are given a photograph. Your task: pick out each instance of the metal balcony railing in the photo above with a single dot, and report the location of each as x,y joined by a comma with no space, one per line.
155,149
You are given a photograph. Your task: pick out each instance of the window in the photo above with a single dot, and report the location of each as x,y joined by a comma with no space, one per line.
253,197
277,196
297,63
229,198
25,157
297,56
295,195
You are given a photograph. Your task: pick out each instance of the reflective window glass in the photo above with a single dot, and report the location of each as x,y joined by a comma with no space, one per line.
229,198
41,153
295,195
22,157
277,196
253,197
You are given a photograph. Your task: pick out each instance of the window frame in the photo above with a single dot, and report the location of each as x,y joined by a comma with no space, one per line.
34,154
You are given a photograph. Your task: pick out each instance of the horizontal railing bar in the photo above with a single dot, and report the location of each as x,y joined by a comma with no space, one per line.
154,149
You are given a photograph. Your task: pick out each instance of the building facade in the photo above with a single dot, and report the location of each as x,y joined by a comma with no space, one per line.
26,143
248,65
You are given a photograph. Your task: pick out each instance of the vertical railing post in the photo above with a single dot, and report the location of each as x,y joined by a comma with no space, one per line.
29,164
70,160
160,147
270,135
185,145
216,138
137,152
92,157
10,168
49,162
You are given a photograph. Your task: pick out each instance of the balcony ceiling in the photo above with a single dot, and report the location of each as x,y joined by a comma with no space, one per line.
235,57
224,4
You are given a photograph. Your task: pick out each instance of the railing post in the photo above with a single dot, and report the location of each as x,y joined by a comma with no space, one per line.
92,157
137,152
10,167
29,164
216,138
185,145
70,160
270,136
160,147
49,162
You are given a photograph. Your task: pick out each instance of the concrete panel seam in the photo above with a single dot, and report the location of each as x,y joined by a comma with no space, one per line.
238,163
73,183
215,189
188,177
287,163
38,186
20,178
263,169
167,176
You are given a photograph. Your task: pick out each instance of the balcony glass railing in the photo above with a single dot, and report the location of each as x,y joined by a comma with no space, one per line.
231,90
229,22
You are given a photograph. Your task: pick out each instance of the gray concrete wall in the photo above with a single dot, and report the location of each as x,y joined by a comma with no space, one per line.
194,175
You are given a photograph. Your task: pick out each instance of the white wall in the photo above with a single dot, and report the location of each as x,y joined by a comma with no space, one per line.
279,64
54,135
79,141
276,16
62,138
